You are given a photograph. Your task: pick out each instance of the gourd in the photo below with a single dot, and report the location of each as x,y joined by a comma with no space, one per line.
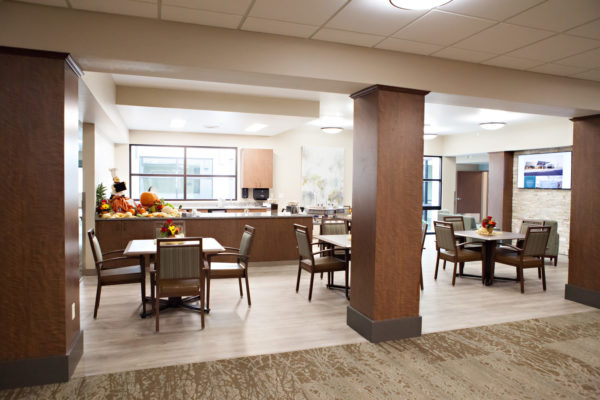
148,198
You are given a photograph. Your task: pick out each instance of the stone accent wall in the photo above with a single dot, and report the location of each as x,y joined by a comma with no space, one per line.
542,203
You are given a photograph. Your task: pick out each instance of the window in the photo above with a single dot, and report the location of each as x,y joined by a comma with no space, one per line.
432,189
184,172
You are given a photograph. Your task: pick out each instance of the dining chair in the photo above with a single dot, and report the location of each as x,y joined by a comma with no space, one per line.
531,255
448,250
307,260
423,236
334,226
179,271
237,269
110,271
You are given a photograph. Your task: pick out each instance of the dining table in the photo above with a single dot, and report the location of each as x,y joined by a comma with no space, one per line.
341,242
145,248
488,248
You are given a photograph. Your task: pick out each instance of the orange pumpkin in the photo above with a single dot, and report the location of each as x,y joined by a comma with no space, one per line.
148,198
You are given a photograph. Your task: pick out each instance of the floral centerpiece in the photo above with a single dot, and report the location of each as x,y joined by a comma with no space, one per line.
169,229
489,224
103,207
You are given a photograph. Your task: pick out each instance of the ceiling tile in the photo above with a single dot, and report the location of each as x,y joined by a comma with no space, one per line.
308,12
148,9
502,38
200,17
590,30
592,75
555,69
559,15
463,55
492,9
589,59
53,3
555,48
278,27
408,46
238,7
442,28
512,62
368,16
359,39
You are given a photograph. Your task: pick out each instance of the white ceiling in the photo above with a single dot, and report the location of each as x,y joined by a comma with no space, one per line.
558,37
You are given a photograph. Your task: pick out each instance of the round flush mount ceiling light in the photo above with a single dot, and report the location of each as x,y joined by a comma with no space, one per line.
429,136
492,126
418,4
332,130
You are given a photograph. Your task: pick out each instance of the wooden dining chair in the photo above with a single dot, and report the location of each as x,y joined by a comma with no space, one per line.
237,269
179,272
423,236
110,271
334,226
448,250
307,260
531,255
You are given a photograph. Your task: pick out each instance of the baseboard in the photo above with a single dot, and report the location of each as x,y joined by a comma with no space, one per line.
389,329
43,370
581,295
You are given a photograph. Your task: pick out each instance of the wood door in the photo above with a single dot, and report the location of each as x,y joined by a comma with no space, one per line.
468,192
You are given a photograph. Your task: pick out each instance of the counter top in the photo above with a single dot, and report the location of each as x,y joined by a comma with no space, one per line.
252,215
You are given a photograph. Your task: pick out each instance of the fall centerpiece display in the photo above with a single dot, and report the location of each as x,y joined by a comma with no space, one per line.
148,198
169,230
487,226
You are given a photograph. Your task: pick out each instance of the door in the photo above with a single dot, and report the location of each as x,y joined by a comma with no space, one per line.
468,192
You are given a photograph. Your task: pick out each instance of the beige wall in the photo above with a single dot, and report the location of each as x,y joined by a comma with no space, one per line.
448,183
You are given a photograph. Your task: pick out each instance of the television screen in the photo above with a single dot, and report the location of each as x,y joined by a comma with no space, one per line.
544,171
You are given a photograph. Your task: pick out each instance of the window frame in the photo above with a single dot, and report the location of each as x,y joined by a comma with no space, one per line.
185,175
433,208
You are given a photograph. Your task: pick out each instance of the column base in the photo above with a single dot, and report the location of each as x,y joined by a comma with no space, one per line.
581,295
379,331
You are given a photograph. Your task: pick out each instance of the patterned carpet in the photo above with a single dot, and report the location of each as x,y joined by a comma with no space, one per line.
549,358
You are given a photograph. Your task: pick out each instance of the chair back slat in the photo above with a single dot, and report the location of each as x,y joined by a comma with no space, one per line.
246,241
457,221
444,235
536,240
179,261
525,224
334,227
303,241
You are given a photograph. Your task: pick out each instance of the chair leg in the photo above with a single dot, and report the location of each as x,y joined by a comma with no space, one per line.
157,310
208,291
248,289
322,276
540,271
522,279
202,306
454,274
555,260
543,277
240,283
421,279
143,285
298,280
347,294
444,266
462,268
437,263
98,290
312,278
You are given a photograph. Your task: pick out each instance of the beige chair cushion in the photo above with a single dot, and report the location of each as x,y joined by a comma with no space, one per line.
510,257
121,274
324,264
226,270
179,287
463,255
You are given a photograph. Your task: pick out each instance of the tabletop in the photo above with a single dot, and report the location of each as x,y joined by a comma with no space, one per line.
139,247
342,241
498,235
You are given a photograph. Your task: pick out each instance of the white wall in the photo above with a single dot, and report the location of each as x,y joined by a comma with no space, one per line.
104,160
287,179
448,183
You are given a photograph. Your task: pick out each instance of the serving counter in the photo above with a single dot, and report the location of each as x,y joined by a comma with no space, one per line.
274,239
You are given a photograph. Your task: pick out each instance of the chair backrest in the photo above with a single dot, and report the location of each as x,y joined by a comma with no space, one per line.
526,223
536,240
333,226
95,245
303,241
457,221
423,234
246,242
178,259
444,235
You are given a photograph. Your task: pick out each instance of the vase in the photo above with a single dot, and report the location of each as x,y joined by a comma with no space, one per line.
490,229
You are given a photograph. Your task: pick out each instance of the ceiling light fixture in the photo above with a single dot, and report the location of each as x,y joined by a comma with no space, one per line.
492,126
429,136
212,126
178,123
332,130
418,4
255,127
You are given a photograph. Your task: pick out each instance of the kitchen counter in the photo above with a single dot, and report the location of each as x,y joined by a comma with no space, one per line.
216,215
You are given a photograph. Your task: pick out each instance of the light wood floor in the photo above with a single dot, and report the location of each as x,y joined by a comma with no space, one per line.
281,320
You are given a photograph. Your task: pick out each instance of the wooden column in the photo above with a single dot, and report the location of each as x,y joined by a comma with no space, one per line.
584,251
387,202
39,279
500,189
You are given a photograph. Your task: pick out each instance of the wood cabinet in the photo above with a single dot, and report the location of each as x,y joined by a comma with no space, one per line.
257,168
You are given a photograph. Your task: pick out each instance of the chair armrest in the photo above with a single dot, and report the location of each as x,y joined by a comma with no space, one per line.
510,246
323,251
241,257
231,248
113,251
136,258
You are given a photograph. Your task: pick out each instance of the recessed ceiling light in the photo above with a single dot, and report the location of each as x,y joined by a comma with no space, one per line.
255,127
212,126
332,130
492,126
177,123
429,136
418,4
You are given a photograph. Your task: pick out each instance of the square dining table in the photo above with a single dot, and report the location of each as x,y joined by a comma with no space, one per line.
343,242
144,248
489,247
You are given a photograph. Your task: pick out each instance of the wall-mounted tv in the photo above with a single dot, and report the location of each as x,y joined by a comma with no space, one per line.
544,171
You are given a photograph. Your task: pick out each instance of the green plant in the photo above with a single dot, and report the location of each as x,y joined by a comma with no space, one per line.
100,194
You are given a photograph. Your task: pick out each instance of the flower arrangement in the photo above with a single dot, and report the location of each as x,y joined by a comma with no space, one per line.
169,230
488,223
103,207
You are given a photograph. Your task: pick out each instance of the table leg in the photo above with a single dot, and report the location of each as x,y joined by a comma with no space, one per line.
487,259
143,264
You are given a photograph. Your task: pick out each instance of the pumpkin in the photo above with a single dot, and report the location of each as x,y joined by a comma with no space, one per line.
148,198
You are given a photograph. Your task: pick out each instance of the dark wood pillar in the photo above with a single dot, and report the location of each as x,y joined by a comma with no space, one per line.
39,280
500,189
387,198
584,252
